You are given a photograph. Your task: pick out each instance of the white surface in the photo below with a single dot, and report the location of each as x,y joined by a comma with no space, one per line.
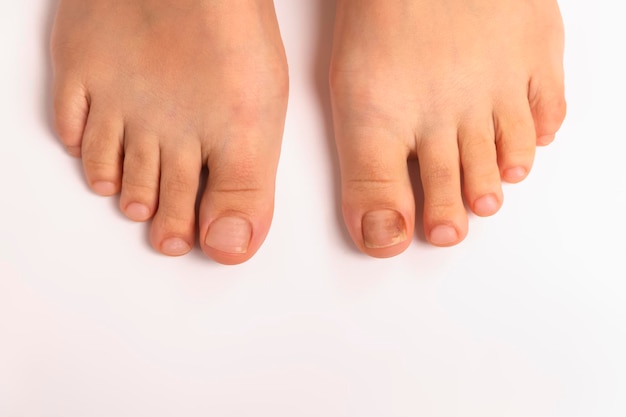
525,318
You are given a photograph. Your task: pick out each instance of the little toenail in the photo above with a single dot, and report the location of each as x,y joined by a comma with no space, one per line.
515,174
175,247
104,188
443,235
383,228
486,205
138,212
230,235
73,150
545,140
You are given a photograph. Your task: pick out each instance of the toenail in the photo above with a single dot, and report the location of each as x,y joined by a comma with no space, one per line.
515,174
443,235
486,205
175,247
73,150
104,188
230,235
383,228
545,140
138,212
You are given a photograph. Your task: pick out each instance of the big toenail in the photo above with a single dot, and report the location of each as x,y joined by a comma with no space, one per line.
230,235
383,228
486,205
175,247
105,188
443,235
515,174
138,212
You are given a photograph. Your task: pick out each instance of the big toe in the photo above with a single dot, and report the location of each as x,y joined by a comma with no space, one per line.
71,110
548,106
377,197
238,204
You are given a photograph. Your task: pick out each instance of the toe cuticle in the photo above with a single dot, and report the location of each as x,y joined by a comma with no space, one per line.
383,229
229,234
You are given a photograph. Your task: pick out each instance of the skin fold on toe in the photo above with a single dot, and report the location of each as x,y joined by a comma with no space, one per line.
148,92
469,88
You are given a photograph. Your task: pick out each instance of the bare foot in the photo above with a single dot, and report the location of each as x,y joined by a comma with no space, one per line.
469,87
149,91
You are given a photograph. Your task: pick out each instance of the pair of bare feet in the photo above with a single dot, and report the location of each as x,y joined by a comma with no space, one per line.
150,91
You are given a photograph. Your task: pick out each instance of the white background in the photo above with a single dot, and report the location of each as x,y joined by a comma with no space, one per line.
525,318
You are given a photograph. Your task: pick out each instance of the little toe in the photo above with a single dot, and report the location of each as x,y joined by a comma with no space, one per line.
548,107
515,140
445,218
71,109
479,161
140,181
377,197
101,151
238,204
172,231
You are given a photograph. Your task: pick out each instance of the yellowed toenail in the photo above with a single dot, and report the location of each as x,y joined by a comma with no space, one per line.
175,247
486,205
443,235
138,212
383,228
515,174
105,188
230,235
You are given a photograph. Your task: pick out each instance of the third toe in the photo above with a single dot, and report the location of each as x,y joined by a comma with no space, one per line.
140,182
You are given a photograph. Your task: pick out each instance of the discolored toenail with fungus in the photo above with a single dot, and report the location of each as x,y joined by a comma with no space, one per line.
383,228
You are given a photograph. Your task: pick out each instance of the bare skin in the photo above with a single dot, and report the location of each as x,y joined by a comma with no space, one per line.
469,87
148,92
